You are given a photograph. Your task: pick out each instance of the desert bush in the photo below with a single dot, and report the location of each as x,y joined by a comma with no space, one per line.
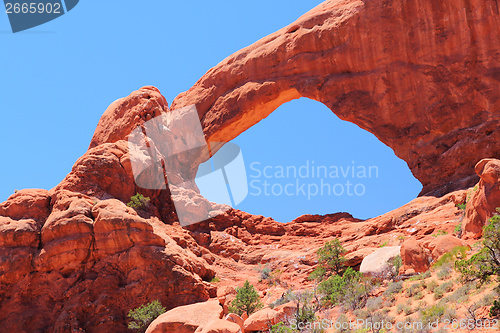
374,320
247,300
449,313
361,313
418,295
420,276
394,264
264,272
144,315
281,327
432,285
431,314
486,262
457,253
406,308
138,201
460,295
215,279
349,290
488,299
373,304
412,290
305,308
330,260
285,298
393,288
444,273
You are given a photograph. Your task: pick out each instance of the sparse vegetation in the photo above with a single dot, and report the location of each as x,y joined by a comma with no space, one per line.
247,300
265,272
330,260
486,263
144,315
349,290
138,201
395,263
215,279
440,233
393,288
431,314
444,273
384,244
457,253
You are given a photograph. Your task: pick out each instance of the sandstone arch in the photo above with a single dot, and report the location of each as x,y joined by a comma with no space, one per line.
423,76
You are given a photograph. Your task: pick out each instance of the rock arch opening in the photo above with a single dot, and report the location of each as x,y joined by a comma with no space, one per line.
303,159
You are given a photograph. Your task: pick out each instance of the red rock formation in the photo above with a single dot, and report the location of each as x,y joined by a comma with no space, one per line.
422,76
484,198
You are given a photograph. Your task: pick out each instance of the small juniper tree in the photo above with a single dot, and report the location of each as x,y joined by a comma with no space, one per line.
330,260
247,300
144,315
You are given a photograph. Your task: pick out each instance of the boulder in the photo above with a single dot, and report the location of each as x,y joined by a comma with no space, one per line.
444,244
220,326
376,263
187,318
414,256
261,320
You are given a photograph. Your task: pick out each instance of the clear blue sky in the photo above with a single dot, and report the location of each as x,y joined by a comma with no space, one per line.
57,79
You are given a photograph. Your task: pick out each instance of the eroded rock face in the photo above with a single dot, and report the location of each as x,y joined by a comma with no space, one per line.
484,198
77,257
424,77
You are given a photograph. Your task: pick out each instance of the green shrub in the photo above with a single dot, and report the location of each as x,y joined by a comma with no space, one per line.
395,263
384,244
438,293
412,290
281,327
458,230
349,290
449,313
486,262
460,295
457,253
138,201
247,300
432,314
265,272
418,295
439,233
461,206
330,260
432,285
406,308
144,315
373,304
305,313
215,279
393,288
495,309
285,298
420,276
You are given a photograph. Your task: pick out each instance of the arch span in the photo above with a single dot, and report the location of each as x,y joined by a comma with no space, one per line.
422,76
